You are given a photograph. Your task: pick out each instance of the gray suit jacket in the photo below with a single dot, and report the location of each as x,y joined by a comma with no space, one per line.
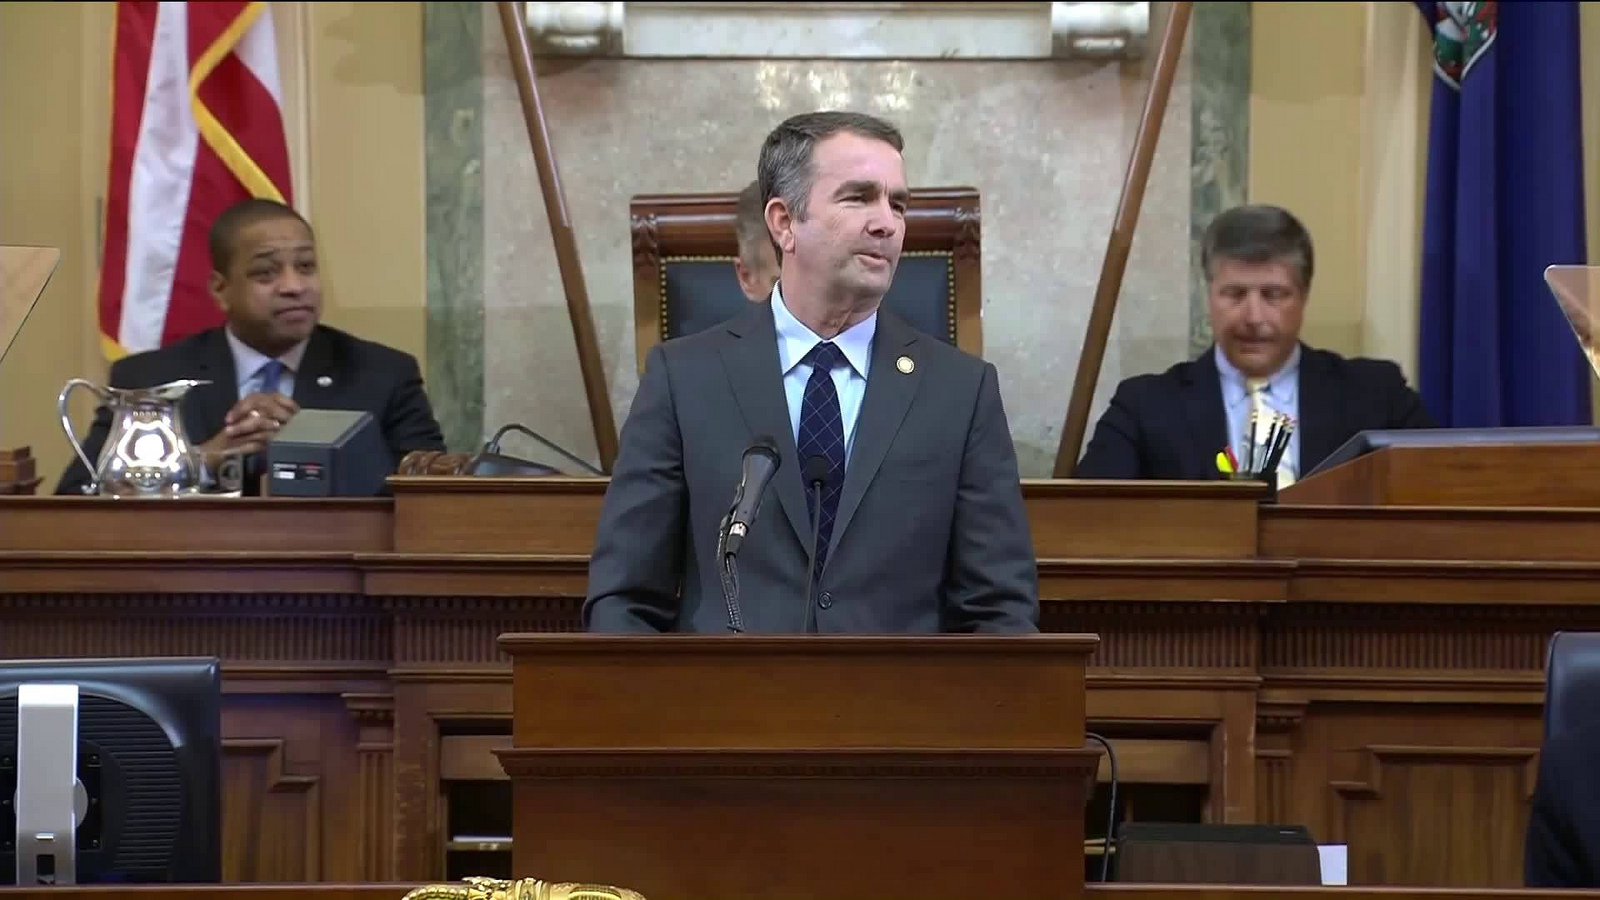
931,534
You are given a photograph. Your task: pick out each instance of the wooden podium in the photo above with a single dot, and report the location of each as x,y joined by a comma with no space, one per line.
1461,475
736,767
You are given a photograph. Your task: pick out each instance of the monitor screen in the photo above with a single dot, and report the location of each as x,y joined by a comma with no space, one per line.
149,761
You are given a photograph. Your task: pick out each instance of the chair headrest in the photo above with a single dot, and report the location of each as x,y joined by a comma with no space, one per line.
1572,680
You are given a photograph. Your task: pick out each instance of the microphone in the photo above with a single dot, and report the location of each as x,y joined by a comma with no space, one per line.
761,460
815,473
490,461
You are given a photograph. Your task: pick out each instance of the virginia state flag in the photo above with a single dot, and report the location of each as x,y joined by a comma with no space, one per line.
1504,200
196,126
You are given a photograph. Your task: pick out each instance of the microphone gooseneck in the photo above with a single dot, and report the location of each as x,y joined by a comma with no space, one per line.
761,461
728,574
815,473
492,448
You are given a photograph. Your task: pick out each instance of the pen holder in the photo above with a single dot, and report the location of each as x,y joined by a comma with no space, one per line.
1269,481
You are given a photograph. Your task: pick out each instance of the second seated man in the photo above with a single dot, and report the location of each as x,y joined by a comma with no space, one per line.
921,517
1258,264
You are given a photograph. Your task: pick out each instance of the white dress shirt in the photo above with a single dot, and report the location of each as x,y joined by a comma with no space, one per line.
795,340
1281,395
247,363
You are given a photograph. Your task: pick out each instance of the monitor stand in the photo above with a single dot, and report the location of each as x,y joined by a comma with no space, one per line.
50,800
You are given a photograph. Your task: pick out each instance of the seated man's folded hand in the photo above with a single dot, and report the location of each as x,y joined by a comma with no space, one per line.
251,423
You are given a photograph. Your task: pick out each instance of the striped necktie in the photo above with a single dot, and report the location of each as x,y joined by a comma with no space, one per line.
1264,416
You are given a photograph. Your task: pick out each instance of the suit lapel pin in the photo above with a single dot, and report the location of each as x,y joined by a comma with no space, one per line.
324,381
905,365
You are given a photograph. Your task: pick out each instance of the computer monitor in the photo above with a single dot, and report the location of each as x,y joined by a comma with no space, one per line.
1372,441
146,803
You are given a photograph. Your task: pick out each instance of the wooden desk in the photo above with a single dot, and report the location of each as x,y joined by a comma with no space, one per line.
310,891
1245,892
396,891
1336,667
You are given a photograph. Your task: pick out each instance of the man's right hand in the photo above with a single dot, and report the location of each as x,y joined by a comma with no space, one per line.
251,423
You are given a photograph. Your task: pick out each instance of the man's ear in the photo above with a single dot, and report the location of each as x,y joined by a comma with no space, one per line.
780,224
216,284
747,278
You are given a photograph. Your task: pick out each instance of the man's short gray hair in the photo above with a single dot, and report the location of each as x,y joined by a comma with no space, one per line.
1259,234
784,169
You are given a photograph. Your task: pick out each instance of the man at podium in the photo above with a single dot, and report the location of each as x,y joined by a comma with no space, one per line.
891,446
1176,424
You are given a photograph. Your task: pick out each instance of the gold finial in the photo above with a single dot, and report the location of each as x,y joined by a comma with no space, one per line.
478,888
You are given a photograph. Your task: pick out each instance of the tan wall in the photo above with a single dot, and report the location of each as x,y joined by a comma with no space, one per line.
1338,133
1589,34
1305,146
353,107
368,198
50,179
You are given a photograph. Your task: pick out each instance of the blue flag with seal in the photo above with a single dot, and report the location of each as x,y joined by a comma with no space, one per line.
1504,200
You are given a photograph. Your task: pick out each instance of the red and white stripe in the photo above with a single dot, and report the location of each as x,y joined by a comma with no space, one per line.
196,126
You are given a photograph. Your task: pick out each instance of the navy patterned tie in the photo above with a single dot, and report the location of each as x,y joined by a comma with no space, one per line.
822,434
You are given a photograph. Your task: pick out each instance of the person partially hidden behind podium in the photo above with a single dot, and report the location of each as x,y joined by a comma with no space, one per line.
1172,425
757,262
902,437
272,357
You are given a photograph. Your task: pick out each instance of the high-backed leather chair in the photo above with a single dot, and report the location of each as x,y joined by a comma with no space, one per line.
683,279
1572,682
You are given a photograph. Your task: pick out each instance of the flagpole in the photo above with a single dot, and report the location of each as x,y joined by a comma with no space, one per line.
1121,241
561,232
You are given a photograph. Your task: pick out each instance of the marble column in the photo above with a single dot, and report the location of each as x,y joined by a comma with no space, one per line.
452,60
1219,168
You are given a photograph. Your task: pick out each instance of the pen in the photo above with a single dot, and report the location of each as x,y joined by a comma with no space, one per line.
1250,442
1280,445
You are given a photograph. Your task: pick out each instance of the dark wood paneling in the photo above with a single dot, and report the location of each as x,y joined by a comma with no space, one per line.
397,890
200,524
1335,667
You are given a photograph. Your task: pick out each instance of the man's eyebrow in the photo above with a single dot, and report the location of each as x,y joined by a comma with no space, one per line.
872,188
859,187
270,252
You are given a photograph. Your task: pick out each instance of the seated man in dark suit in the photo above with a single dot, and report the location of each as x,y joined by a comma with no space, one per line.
1562,849
272,357
1258,264
757,262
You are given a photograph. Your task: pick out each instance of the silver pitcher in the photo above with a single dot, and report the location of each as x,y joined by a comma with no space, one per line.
146,453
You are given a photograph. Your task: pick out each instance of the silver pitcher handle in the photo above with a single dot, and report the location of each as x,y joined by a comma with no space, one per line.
66,426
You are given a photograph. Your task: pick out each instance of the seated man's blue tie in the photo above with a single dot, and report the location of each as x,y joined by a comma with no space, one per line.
271,376
822,434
